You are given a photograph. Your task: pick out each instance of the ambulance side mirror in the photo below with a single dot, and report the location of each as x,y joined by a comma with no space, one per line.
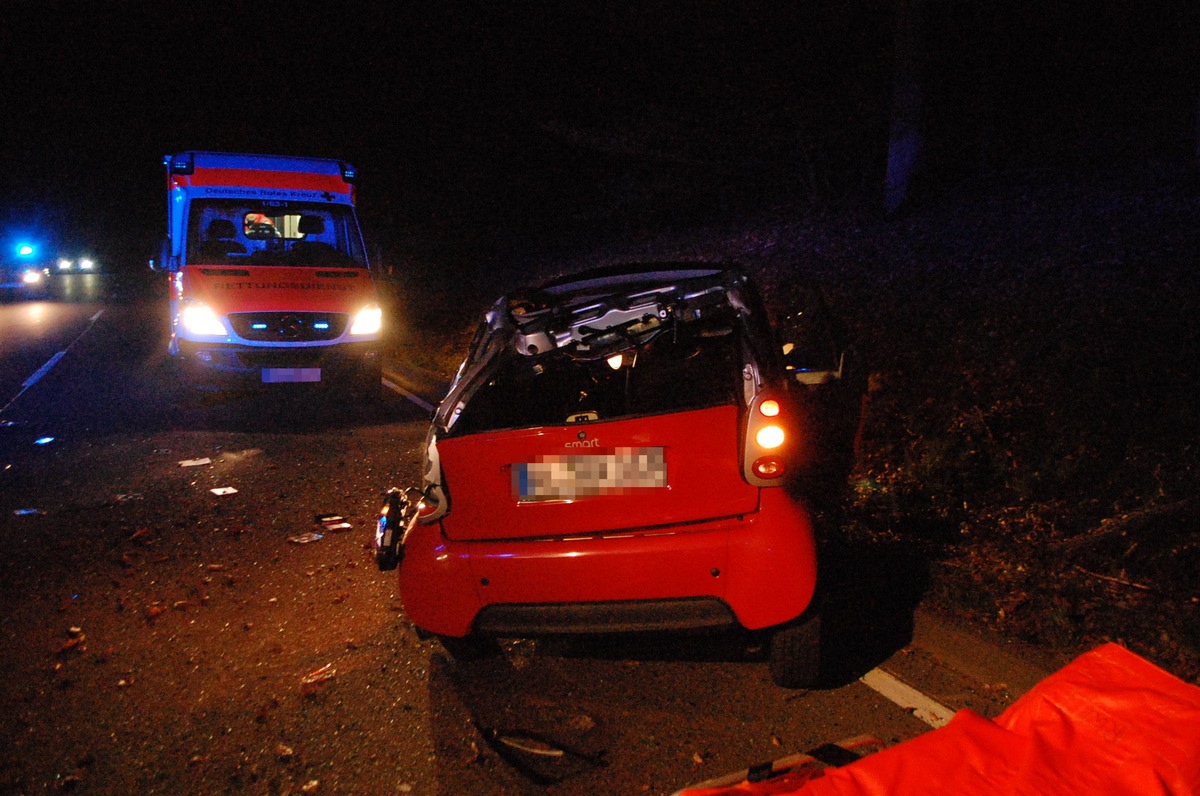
160,263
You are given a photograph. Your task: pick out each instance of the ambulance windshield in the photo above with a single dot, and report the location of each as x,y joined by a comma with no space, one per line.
303,234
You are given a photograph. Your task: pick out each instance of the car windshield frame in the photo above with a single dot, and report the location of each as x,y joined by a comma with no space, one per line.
572,327
682,366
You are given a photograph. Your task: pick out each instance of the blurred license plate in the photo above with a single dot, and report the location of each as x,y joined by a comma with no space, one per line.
569,477
274,375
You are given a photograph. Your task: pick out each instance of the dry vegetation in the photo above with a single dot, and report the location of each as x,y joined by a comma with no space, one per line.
1034,428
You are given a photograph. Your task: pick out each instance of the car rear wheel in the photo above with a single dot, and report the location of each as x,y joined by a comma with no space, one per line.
795,653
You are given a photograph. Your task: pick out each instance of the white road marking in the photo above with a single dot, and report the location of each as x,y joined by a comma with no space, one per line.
44,369
927,710
428,407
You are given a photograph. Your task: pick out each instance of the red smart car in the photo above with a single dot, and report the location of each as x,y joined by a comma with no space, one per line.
614,456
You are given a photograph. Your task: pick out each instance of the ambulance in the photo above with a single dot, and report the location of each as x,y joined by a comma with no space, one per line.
268,276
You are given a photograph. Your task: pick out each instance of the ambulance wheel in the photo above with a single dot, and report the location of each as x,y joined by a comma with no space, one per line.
470,648
795,653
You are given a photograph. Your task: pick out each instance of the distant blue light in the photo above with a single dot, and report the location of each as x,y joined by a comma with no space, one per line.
322,325
26,249
43,441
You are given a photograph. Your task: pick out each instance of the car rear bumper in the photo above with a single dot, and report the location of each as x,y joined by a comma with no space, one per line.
754,570
233,362
684,613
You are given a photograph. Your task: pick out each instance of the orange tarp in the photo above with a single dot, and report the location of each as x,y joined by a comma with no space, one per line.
1109,722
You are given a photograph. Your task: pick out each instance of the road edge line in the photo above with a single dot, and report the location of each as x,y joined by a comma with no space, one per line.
924,708
391,385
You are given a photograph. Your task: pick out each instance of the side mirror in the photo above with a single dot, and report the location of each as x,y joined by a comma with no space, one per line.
813,349
810,364
160,262
396,519
389,530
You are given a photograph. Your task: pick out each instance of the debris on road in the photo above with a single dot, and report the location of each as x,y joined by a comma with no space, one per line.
787,774
333,522
532,746
224,490
538,758
305,538
74,642
324,674
141,536
195,462
28,512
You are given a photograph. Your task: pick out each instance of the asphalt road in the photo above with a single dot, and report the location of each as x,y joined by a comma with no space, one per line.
158,637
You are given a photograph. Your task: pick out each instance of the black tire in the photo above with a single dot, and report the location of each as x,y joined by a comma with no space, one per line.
795,653
470,648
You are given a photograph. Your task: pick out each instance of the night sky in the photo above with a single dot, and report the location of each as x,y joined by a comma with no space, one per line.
493,110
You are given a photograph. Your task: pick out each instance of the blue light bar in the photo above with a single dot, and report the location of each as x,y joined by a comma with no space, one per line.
322,325
258,326
26,249
183,163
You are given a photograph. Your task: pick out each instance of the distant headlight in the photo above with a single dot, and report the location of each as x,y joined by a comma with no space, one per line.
86,265
200,319
64,265
369,320
31,277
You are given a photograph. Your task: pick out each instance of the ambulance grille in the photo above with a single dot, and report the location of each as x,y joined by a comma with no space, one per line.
289,327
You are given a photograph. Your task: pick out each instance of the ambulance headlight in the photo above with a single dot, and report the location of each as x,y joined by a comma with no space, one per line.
32,277
200,319
64,265
369,320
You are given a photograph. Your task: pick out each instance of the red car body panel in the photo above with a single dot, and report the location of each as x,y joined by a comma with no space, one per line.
762,564
703,476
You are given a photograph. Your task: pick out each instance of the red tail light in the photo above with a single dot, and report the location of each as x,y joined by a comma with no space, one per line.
768,467
766,446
